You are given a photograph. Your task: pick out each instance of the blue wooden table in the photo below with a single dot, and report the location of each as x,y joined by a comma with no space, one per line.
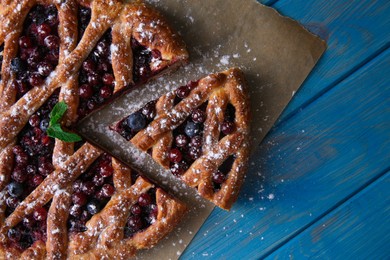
319,186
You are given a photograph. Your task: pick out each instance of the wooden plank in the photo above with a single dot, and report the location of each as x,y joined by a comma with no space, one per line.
358,229
318,158
355,31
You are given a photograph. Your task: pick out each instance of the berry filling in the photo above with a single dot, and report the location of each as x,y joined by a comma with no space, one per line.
31,229
91,192
96,78
142,214
220,176
94,188
187,137
38,49
32,156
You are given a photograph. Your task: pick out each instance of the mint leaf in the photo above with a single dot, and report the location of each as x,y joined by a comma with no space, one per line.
56,131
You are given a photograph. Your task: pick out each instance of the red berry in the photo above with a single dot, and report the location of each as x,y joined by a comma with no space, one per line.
25,42
182,92
136,209
218,177
106,92
79,198
40,214
85,91
181,140
227,127
35,80
89,66
175,155
108,79
107,190
144,200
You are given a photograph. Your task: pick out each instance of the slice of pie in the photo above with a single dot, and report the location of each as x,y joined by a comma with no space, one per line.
71,200
200,132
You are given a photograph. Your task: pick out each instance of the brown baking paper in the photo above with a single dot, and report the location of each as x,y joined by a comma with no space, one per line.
276,55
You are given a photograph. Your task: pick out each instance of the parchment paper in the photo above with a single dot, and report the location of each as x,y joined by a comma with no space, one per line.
276,55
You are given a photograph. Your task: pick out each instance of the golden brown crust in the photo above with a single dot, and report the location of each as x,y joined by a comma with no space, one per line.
123,19
105,14
219,90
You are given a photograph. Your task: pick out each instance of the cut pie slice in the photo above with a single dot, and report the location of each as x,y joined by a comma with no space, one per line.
200,132
55,193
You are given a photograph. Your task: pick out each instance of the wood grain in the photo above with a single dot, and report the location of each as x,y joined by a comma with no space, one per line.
358,229
355,30
334,147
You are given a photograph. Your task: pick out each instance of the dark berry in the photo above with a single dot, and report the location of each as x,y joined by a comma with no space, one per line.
44,68
85,91
21,158
93,207
34,120
106,170
88,188
44,124
75,210
107,190
191,129
15,189
144,200
179,168
79,198
17,65
196,141
45,168
28,221
40,214
135,223
182,92
218,177
195,152
136,209
181,140
12,202
14,234
227,127
77,185
198,116
93,79
43,30
31,169
52,42
89,66
136,121
25,42
149,110
36,180
76,226
106,92
19,175
98,180
108,79
175,155
35,80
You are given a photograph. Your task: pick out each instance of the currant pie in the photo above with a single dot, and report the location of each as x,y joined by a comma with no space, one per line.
200,132
69,199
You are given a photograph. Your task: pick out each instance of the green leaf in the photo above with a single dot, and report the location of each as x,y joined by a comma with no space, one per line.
56,131
58,111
